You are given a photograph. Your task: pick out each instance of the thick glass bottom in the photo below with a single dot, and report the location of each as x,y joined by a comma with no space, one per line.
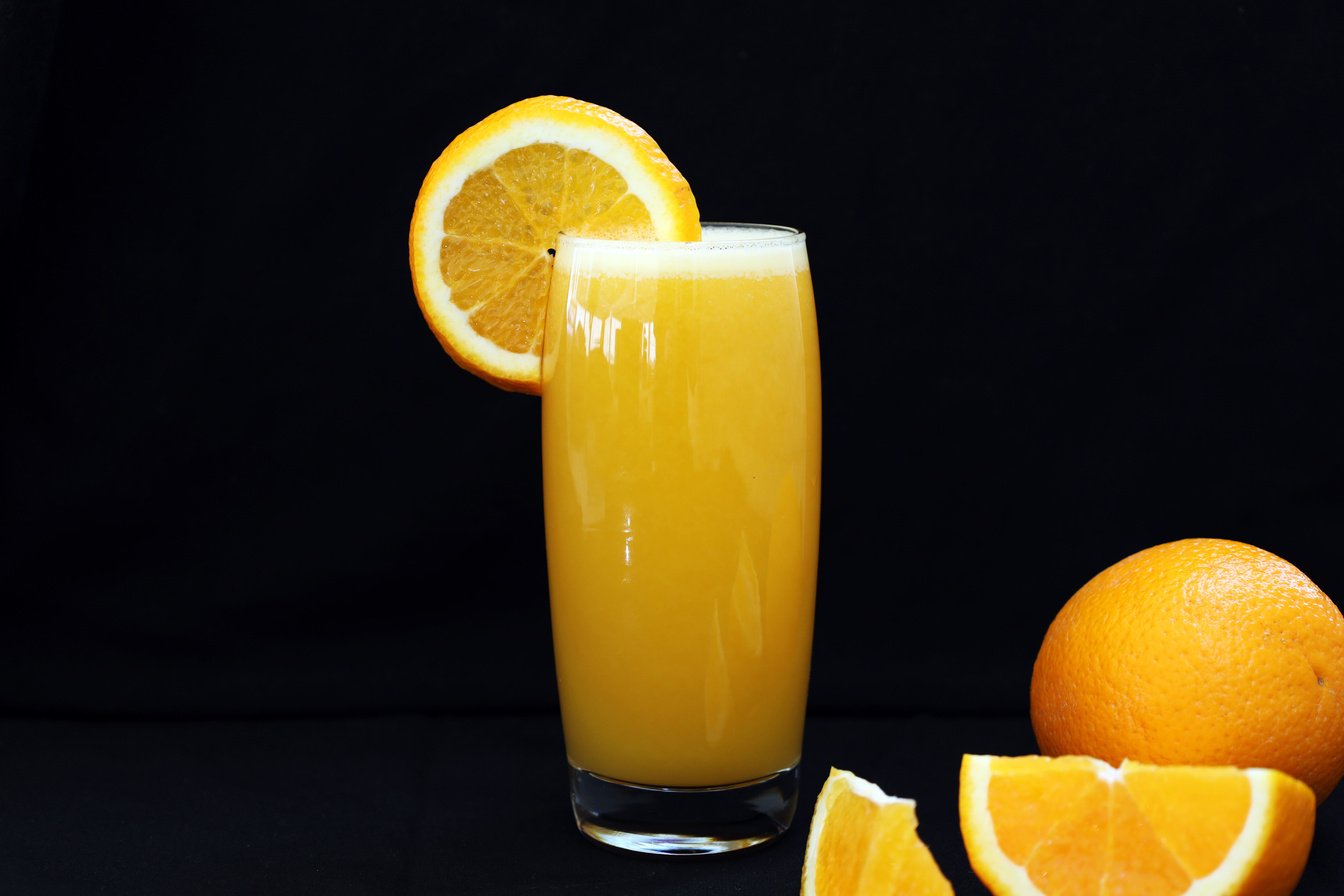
683,821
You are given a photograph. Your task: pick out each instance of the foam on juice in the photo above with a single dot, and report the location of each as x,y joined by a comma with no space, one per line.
723,250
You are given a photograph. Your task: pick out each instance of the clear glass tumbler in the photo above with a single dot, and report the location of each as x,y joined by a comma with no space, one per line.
681,454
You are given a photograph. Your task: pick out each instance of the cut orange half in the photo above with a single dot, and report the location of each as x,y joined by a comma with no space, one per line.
489,209
863,843
1075,824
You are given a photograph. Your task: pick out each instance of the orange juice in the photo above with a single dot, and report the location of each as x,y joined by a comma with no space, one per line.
681,450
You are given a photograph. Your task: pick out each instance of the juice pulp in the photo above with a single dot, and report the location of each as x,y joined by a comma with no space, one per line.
681,453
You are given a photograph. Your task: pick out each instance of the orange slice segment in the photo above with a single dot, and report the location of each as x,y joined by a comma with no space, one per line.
863,843
489,209
1074,824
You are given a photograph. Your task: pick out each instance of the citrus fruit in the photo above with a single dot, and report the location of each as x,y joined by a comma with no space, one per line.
1197,652
863,843
1042,826
488,212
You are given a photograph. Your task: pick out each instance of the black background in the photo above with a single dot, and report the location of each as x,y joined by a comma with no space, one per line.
1077,274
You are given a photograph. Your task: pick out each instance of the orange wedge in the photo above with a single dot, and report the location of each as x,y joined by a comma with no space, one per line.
1074,824
863,843
489,209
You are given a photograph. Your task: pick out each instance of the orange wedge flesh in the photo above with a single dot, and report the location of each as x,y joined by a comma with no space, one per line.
1074,824
863,843
489,210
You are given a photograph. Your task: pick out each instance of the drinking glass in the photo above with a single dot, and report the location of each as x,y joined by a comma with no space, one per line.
681,457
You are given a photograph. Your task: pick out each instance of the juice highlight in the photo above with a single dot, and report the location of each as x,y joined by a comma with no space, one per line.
681,450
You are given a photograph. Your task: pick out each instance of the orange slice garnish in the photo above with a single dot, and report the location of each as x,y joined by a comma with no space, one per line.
486,219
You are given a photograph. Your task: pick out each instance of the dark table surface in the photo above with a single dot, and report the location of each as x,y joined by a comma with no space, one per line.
423,804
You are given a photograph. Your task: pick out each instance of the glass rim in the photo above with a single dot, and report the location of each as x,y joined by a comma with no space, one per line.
771,236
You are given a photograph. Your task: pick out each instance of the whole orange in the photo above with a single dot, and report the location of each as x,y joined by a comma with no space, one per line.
1197,652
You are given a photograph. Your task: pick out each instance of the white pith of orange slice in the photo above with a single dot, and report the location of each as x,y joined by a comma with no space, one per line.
1037,826
490,208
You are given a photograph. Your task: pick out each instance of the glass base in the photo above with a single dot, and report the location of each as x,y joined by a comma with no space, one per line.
683,821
